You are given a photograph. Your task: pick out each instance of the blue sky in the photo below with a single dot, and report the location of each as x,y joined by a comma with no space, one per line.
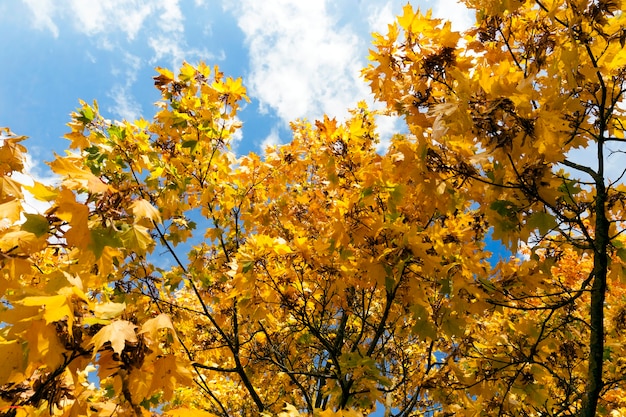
299,59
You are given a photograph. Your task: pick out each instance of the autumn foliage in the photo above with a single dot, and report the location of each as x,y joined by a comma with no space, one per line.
170,275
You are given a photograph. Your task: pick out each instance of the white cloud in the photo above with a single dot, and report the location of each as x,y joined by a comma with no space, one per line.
171,18
453,10
302,63
43,12
271,140
125,105
98,17
305,62
132,65
387,126
174,49
380,16
92,18
165,46
169,41
161,22
117,25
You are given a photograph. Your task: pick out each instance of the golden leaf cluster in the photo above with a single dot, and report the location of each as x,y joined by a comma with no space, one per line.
323,277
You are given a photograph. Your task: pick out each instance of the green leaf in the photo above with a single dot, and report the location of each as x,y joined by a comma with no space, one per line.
446,286
191,144
101,237
504,208
569,189
117,131
86,114
36,224
453,326
423,326
486,284
621,253
247,266
541,221
390,283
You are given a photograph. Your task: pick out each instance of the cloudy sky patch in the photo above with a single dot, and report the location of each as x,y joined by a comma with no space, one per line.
298,59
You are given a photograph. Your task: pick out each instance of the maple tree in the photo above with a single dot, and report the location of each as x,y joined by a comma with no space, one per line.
170,275
499,110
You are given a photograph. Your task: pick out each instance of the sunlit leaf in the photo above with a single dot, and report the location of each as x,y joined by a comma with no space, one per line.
117,334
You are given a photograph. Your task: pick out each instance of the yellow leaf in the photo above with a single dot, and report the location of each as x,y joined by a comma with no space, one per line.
77,285
407,18
44,344
107,365
76,215
56,307
167,374
137,238
41,191
281,247
340,413
109,310
76,177
143,209
26,241
289,411
77,139
13,357
189,412
9,186
11,211
165,77
162,321
117,333
152,326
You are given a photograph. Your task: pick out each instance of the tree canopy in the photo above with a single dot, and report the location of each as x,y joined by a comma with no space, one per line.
169,275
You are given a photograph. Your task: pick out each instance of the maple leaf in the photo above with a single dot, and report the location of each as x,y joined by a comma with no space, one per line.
41,191
36,224
10,188
103,237
117,334
143,209
165,77
55,307
44,345
13,360
162,321
137,236
11,210
76,215
77,138
76,176
168,373
109,310
188,412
